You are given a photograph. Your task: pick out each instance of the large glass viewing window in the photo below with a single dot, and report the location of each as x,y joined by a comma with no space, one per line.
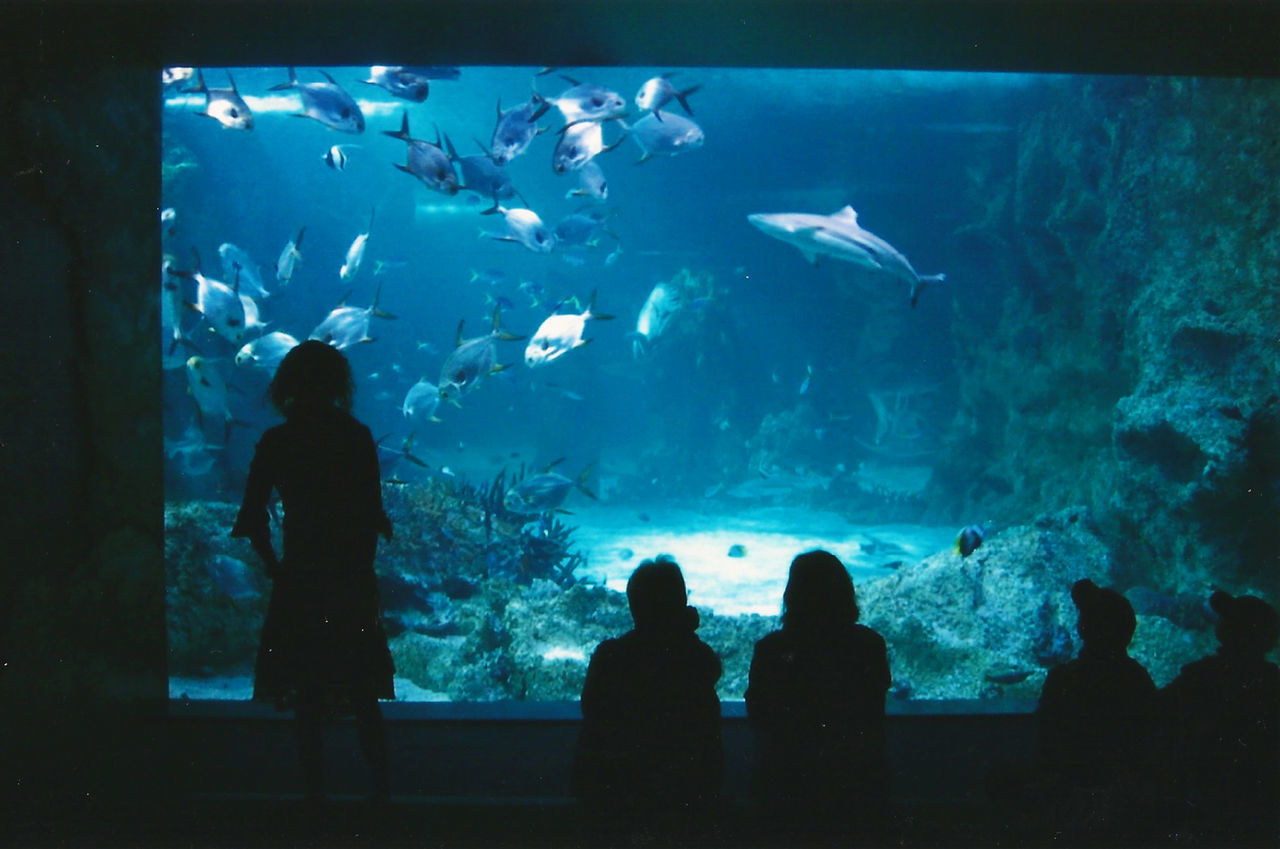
841,309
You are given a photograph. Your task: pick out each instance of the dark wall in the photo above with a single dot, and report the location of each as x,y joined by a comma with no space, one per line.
82,592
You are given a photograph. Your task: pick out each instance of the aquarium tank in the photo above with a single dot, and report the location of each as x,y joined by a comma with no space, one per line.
980,335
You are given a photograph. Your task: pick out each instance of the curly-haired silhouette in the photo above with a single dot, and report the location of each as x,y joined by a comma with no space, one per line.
650,763
323,650
1225,711
816,704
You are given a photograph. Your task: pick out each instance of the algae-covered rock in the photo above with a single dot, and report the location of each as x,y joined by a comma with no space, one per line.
966,628
1127,360
215,593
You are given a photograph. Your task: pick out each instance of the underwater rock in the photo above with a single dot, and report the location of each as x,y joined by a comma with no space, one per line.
1187,610
949,621
956,626
1155,319
1052,644
214,607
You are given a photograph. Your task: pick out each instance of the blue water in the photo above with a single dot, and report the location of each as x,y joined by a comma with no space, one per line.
893,145
680,427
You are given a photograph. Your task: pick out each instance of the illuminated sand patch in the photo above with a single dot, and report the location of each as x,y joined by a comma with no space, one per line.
617,539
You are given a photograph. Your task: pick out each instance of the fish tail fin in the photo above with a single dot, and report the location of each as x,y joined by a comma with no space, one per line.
681,95
921,282
498,332
292,83
581,482
592,315
543,105
402,134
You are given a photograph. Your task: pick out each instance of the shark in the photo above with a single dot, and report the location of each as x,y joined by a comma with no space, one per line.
840,236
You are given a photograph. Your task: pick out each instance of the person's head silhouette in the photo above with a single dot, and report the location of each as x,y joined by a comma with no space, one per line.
1247,625
657,597
1106,621
819,596
312,376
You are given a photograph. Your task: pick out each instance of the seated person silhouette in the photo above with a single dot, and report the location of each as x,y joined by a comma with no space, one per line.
1093,723
650,763
323,651
1224,711
816,704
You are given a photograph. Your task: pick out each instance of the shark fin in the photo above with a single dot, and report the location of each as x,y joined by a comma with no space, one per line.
847,214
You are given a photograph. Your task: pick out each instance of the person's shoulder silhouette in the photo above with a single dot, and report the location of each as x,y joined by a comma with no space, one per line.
650,754
323,650
815,699
1225,713
1094,711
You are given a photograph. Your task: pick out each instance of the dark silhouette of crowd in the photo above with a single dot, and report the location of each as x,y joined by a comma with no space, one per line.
1118,762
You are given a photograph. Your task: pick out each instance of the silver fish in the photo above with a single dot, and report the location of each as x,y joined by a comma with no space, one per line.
176,76
580,142
544,492
400,81
235,260
253,322
560,334
224,105
171,309
471,360
581,228
266,351
839,236
524,227
355,253
345,326
219,303
666,136
658,92
289,258
591,182
191,455
421,401
588,102
480,174
426,161
326,102
664,301
516,128
208,389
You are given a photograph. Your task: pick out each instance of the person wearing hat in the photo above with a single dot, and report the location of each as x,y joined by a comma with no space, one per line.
1224,710
1093,718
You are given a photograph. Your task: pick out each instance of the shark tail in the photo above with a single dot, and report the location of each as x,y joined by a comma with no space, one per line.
922,281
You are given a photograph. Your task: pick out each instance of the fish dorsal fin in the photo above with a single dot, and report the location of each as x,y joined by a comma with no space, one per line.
343,301
458,342
847,214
